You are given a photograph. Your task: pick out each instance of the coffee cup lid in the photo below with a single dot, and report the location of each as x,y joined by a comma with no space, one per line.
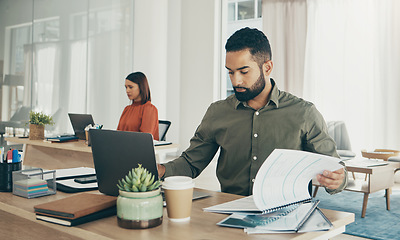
178,182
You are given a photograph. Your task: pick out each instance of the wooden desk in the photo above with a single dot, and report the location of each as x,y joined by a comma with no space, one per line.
17,215
46,155
378,178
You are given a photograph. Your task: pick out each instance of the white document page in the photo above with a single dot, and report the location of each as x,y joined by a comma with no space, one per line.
245,204
284,176
71,172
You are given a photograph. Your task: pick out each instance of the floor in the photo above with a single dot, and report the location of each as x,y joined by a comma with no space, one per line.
208,180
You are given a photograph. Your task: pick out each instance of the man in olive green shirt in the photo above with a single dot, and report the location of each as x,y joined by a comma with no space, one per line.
250,124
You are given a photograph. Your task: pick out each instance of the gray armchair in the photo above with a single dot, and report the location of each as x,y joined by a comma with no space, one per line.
395,159
338,131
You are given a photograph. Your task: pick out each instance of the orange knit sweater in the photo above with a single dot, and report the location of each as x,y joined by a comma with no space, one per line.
139,117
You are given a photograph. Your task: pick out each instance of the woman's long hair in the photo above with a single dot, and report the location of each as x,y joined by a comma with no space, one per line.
140,79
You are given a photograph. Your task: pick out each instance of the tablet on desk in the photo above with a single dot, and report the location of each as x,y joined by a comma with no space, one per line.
86,180
161,143
71,186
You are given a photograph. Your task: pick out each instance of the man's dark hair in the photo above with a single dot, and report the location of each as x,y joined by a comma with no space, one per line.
252,39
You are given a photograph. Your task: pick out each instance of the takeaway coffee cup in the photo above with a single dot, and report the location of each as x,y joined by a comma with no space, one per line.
178,192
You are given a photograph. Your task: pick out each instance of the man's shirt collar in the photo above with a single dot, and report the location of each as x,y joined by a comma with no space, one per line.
274,97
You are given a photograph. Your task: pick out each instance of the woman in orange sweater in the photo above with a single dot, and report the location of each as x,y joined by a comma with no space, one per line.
141,115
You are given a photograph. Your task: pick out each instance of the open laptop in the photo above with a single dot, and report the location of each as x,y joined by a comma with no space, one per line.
115,153
79,122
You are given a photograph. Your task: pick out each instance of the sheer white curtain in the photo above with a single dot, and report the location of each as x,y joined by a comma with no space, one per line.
45,76
351,62
352,65
285,24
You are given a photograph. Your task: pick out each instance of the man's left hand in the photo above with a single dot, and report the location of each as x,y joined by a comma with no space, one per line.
331,180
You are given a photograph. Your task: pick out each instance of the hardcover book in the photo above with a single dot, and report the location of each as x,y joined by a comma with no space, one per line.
76,206
73,222
63,139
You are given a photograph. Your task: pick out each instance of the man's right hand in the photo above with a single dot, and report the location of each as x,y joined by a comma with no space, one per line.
161,170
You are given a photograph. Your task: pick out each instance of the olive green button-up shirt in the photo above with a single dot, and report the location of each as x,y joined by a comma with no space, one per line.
247,136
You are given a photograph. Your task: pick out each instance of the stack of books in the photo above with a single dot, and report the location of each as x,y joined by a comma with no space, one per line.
31,187
66,138
77,209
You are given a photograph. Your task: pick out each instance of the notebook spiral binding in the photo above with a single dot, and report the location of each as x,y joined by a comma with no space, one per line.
261,220
286,205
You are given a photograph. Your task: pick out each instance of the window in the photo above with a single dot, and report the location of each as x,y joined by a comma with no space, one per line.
241,13
244,9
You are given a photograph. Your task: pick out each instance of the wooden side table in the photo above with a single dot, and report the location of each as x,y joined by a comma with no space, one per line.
378,178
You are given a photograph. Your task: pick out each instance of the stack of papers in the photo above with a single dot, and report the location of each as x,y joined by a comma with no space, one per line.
316,222
31,187
366,162
281,201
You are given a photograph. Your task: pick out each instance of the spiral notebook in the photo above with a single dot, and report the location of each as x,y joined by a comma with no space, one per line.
281,181
290,218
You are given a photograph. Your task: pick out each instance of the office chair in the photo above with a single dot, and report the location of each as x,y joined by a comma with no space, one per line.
163,126
338,131
56,118
18,120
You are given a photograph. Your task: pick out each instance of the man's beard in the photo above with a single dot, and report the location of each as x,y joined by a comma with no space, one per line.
251,92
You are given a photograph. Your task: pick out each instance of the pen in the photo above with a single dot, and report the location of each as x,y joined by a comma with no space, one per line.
1,154
15,157
9,156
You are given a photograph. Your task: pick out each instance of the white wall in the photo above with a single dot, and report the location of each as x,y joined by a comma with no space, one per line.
174,69
197,64
174,45
150,47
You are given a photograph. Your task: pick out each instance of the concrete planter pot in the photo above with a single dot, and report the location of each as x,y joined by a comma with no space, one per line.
139,210
36,132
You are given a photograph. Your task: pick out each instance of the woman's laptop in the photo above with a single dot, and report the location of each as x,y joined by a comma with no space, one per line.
115,153
79,122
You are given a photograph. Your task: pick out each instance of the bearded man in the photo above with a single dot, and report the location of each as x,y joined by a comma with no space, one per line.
247,126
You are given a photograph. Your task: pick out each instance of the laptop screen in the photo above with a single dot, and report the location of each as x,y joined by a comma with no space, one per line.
79,122
115,153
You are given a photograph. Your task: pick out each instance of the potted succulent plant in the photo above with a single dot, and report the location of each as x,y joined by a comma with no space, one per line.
139,204
37,121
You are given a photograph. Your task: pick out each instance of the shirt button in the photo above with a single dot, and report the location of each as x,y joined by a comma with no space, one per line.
255,135
257,113
255,158
253,180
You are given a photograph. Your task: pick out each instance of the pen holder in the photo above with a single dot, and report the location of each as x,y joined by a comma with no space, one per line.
35,182
6,170
87,138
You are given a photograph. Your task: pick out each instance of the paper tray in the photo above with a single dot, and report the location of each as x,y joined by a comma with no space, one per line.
32,183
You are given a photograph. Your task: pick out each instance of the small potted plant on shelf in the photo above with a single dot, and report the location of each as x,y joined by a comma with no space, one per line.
139,204
37,121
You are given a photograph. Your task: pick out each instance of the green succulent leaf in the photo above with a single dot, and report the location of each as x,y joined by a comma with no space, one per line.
143,188
138,180
134,189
